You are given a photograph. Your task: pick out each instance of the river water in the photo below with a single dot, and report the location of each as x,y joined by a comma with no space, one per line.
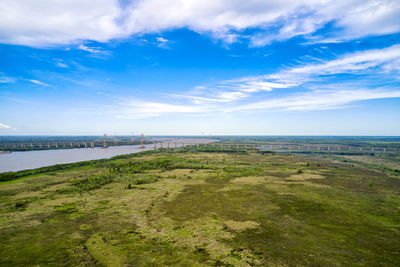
17,161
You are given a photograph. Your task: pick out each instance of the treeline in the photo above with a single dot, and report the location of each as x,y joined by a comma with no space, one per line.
8,176
164,163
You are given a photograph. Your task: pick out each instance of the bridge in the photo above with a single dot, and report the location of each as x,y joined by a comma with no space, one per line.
160,143
282,147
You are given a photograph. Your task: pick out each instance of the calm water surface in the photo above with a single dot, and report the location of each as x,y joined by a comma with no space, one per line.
17,161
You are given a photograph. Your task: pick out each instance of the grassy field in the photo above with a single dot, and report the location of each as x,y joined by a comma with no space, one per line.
191,208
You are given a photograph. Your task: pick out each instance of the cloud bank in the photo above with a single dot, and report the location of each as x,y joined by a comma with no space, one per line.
47,23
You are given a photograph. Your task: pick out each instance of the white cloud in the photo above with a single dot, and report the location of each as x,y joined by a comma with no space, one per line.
162,40
378,62
316,90
319,100
93,50
61,64
4,126
5,79
38,82
142,109
39,23
305,101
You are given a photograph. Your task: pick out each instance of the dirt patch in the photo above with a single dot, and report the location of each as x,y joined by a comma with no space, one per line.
305,176
241,226
249,180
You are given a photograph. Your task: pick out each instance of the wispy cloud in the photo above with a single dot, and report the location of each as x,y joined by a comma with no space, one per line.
39,82
6,79
139,109
162,40
302,87
94,50
319,100
376,62
60,63
5,126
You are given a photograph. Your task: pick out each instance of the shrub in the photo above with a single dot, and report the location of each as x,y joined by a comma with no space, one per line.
93,182
145,180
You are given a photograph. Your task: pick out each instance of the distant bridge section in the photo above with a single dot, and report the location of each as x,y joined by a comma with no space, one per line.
172,143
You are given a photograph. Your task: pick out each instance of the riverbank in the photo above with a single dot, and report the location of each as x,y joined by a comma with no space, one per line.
18,161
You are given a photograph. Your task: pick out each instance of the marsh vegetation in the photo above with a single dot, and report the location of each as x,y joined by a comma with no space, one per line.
205,207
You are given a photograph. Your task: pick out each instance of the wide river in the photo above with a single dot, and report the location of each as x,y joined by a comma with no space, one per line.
17,161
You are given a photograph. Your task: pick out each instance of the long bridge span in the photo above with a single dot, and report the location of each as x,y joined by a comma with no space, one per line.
172,143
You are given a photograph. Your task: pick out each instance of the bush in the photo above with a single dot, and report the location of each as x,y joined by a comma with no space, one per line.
93,182
20,205
145,180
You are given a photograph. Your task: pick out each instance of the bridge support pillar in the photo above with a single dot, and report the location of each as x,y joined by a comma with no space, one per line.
142,141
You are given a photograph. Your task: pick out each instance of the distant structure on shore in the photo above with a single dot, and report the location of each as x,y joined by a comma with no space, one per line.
105,141
142,141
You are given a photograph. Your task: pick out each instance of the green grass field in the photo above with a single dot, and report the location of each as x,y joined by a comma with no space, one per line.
205,208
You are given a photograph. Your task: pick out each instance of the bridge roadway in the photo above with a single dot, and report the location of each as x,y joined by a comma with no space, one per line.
201,144
282,147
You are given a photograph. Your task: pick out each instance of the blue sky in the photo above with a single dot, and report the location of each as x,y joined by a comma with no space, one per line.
189,67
